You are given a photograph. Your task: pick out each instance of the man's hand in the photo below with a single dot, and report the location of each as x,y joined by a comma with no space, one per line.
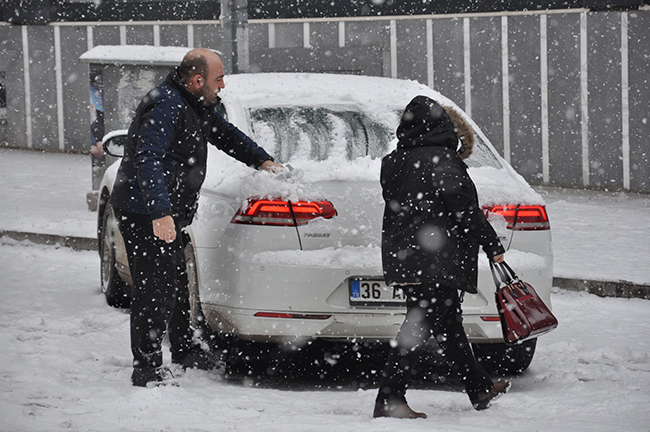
271,166
164,229
498,258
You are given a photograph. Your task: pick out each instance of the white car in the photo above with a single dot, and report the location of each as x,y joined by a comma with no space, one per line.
297,256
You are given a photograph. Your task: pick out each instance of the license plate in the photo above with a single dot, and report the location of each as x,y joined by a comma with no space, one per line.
375,292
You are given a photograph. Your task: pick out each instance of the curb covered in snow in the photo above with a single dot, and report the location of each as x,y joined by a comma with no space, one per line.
76,243
623,289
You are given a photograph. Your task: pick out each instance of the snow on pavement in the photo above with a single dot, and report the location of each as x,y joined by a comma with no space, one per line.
46,193
66,363
599,235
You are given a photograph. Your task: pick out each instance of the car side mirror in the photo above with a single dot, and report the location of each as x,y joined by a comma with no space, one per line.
114,146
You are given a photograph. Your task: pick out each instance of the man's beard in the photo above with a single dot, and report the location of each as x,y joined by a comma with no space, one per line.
209,98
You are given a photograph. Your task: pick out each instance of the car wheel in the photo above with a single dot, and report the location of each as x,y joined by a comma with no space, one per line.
503,359
113,287
218,343
197,319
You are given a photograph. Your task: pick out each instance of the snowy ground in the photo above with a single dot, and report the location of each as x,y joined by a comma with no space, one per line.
65,365
65,361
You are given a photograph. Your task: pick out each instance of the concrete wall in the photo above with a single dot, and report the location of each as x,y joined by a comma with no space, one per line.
563,95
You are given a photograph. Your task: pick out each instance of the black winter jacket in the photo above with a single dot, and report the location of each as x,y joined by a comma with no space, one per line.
165,157
432,220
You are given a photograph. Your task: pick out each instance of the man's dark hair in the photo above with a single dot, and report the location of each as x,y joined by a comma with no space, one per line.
192,65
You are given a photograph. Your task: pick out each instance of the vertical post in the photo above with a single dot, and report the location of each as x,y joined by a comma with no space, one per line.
28,89
584,99
234,22
156,35
467,67
228,38
430,70
122,35
59,86
393,49
505,87
543,64
625,100
190,35
91,38
241,24
271,34
306,43
341,34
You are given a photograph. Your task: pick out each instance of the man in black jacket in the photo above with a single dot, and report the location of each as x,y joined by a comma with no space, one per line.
155,196
432,228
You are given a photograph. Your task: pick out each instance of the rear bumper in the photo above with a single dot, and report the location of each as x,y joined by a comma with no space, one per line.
236,289
365,326
245,325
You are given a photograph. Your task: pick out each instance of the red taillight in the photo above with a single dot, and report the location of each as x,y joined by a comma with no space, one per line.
281,213
491,318
522,218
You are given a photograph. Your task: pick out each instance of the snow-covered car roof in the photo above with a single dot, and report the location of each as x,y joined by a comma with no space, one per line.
374,95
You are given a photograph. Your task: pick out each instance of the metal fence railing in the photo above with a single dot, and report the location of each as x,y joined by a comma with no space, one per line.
562,94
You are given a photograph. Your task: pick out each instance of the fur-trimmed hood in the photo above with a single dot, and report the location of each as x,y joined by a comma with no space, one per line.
426,123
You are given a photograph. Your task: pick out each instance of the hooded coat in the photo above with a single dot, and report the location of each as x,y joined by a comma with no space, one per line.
433,224
166,149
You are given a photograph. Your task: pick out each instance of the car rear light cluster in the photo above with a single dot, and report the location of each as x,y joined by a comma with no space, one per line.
522,217
283,213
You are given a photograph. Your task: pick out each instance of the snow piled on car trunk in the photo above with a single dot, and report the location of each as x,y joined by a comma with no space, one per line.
369,258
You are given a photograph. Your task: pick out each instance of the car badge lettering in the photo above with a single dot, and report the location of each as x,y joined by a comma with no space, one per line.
317,235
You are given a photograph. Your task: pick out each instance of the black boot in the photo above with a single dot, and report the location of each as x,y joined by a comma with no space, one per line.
500,387
151,377
402,411
196,358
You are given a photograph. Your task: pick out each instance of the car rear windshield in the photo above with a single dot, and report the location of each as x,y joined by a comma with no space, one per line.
317,133
482,155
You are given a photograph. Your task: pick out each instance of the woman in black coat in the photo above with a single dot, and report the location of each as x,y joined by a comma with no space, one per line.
432,228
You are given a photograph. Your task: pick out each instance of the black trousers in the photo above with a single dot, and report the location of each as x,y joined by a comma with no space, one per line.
431,311
160,297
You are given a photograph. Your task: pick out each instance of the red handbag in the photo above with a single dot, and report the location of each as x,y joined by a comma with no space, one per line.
523,314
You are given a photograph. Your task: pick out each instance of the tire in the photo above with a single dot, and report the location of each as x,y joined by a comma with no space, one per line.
502,359
117,291
197,319
218,343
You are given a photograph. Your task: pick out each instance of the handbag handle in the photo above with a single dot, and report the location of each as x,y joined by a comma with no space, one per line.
506,274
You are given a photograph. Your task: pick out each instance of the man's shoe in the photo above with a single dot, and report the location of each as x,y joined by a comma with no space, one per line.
196,359
402,411
499,388
151,377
